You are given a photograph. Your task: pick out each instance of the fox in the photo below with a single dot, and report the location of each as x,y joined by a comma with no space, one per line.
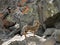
28,28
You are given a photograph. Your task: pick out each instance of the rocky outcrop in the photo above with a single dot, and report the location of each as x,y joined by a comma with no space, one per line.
32,40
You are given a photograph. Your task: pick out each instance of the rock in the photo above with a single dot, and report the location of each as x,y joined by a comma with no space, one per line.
57,25
50,22
34,40
57,35
27,41
49,31
17,43
20,40
49,41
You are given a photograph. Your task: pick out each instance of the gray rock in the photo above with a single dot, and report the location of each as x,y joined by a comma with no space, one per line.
49,31
57,35
34,41
57,25
49,41
27,41
17,43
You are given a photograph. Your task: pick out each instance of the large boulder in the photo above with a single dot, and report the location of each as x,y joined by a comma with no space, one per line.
21,40
32,40
27,41
50,22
